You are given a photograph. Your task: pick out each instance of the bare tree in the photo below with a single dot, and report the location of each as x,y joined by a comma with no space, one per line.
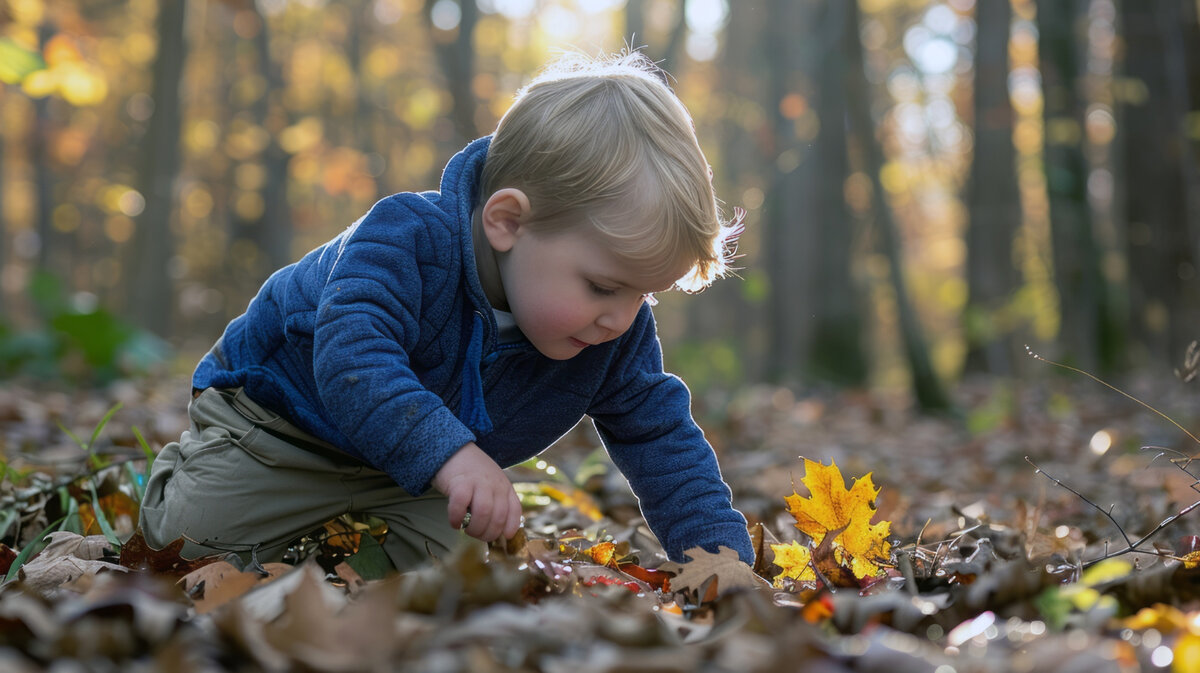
456,56
993,199
148,286
927,388
1160,211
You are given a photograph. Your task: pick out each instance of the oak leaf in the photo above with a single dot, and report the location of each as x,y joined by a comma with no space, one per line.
858,545
725,567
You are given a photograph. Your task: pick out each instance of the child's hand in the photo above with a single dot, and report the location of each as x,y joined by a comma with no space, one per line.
474,483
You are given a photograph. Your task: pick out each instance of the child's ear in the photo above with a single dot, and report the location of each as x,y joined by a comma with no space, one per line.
503,215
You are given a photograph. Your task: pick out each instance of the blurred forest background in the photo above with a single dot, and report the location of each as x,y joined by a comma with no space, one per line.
931,184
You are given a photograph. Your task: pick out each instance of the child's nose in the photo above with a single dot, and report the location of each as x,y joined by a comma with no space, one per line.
618,318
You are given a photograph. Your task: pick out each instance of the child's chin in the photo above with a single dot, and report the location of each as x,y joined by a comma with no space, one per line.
559,353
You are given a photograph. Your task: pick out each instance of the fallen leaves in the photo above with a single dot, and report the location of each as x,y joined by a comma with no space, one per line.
578,591
711,575
844,516
67,558
137,554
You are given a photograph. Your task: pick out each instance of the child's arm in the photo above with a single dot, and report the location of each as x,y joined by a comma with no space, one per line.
369,318
476,484
644,417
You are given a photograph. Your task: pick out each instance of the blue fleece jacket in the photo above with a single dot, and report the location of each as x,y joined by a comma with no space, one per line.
382,343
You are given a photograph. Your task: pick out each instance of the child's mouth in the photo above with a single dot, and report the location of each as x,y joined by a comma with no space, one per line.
577,343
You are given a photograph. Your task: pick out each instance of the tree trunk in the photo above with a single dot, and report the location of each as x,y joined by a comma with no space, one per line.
275,227
39,155
788,220
456,56
836,352
635,24
993,200
4,262
636,37
1081,287
1162,263
149,287
928,389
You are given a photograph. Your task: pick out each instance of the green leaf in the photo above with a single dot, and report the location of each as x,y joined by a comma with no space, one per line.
17,62
371,562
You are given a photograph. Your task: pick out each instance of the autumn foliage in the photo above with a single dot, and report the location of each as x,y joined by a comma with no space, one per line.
846,548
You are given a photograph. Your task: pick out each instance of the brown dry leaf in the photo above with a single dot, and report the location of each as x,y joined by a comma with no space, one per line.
66,543
268,600
137,554
215,584
333,636
65,559
861,546
763,541
346,573
725,566
7,556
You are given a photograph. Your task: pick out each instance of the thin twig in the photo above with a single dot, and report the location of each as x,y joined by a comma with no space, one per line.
1112,387
1131,546
1082,497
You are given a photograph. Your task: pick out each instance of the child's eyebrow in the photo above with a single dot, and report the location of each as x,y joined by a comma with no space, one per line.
605,279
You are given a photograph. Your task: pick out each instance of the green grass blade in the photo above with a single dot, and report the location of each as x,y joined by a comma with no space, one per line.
74,437
146,450
28,551
72,513
7,518
138,489
101,519
100,426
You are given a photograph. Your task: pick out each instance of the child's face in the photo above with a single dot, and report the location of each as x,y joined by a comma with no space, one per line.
568,291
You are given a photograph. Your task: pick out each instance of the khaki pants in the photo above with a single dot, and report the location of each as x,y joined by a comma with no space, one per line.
239,480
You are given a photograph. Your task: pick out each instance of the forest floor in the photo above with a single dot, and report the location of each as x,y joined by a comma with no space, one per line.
992,565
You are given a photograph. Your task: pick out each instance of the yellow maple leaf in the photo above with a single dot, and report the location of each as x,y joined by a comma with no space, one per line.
860,545
795,560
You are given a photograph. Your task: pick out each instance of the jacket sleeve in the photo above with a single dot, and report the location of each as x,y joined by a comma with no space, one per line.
644,417
368,320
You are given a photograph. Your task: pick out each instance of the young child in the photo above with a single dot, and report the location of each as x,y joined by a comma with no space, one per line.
446,335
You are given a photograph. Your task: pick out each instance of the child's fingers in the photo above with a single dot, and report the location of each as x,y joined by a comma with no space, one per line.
483,516
456,511
514,515
496,520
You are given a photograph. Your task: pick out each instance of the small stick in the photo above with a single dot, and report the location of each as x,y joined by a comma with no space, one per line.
1131,545
1082,497
1108,385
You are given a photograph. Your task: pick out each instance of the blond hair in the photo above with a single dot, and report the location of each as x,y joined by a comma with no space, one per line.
605,141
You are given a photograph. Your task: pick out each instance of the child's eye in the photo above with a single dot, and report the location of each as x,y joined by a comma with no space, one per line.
602,291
